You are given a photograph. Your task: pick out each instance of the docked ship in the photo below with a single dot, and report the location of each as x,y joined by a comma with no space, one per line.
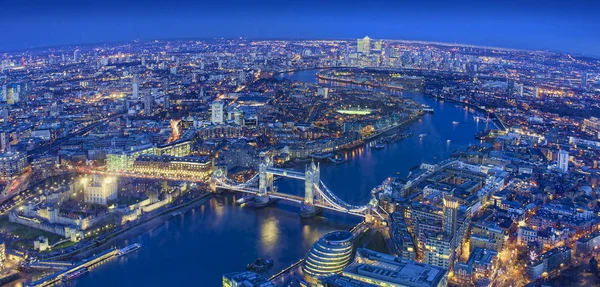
259,265
245,199
427,109
72,275
321,155
378,145
129,249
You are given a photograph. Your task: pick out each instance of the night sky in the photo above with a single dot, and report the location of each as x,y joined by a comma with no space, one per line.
566,26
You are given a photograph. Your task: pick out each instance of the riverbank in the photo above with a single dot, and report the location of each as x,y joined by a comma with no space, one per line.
495,119
98,244
148,224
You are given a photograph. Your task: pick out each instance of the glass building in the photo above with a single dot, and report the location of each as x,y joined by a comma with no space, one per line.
329,255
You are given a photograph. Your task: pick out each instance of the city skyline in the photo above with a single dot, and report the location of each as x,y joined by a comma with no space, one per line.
555,26
300,143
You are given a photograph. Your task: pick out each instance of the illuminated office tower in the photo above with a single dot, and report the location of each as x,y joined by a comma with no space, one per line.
4,95
377,45
148,101
450,210
217,112
510,86
12,95
364,45
135,88
563,160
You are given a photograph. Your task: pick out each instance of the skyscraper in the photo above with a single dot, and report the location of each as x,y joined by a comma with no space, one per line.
563,160
450,209
520,89
217,112
135,88
510,86
584,77
377,45
364,45
165,86
148,101
4,95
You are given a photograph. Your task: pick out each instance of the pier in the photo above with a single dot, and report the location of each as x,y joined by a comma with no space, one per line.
94,260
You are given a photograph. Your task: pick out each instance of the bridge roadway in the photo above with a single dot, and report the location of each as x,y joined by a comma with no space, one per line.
286,173
288,197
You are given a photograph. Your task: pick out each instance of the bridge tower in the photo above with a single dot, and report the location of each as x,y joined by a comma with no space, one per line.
265,180
311,182
219,172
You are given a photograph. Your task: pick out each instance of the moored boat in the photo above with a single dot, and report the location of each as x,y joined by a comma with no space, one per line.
129,249
75,274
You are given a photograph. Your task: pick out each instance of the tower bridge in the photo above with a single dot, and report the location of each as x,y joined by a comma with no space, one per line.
317,195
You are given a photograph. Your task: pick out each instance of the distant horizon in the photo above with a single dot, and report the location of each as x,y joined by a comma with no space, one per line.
571,27
74,45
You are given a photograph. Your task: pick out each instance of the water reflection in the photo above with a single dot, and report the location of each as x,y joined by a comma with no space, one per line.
219,238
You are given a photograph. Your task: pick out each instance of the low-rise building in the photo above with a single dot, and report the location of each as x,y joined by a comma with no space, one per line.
386,270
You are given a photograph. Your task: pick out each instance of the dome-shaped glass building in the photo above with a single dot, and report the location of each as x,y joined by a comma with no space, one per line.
329,255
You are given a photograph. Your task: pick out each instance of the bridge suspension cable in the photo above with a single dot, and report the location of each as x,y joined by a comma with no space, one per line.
332,199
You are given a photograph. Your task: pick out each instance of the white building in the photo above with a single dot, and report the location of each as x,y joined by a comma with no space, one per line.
323,92
12,164
100,191
563,160
135,87
217,113
364,45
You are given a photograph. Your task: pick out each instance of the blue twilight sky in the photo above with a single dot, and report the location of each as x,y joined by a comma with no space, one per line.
568,26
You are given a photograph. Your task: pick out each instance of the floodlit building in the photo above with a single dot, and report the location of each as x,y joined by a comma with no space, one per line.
563,161
217,113
364,45
100,191
328,256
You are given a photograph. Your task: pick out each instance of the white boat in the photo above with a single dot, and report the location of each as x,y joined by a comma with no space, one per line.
129,249
455,123
245,199
422,135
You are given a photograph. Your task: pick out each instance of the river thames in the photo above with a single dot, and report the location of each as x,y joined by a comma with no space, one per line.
217,237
